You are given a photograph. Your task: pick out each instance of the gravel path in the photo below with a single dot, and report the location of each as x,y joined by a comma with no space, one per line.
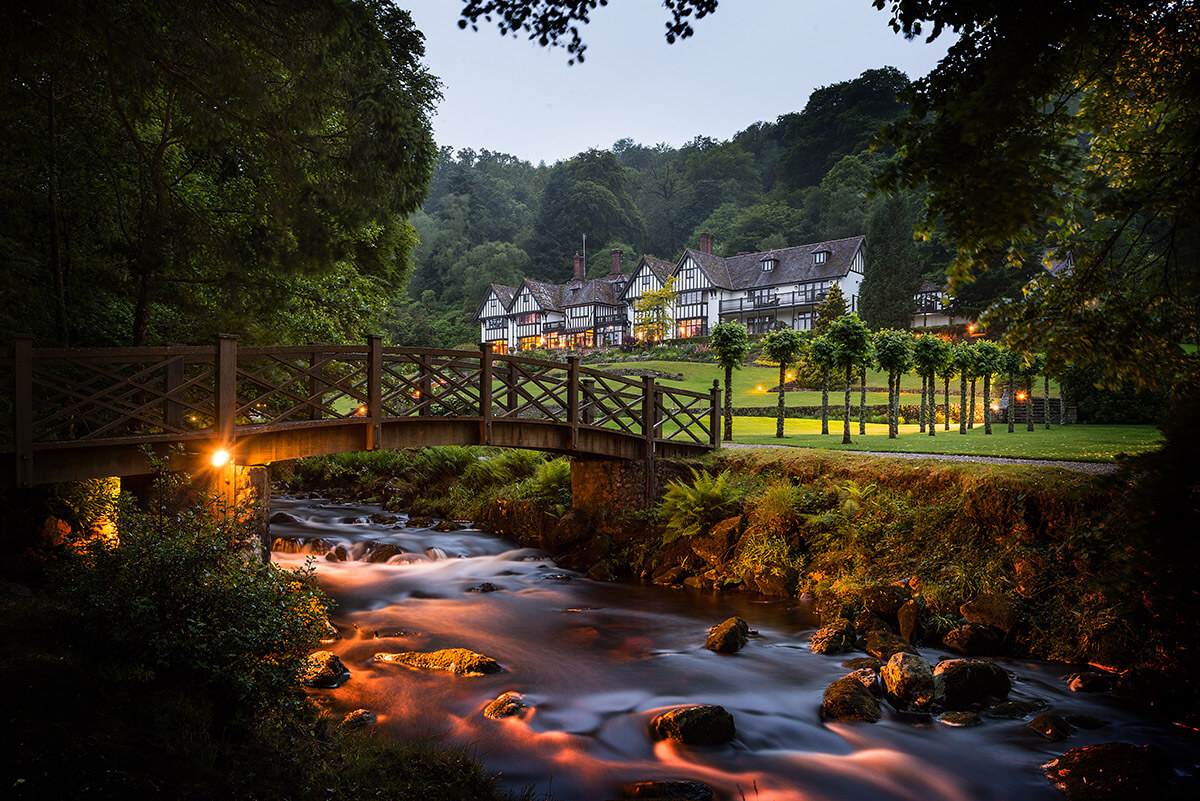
1083,467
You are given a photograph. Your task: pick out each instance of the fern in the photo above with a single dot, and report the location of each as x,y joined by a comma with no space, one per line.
690,509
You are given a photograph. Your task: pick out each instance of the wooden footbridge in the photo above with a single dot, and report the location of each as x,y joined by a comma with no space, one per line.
84,413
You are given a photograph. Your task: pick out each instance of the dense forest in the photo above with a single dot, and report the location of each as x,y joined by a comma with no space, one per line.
492,218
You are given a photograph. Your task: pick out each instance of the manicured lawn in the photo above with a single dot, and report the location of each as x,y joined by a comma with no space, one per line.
699,376
1083,443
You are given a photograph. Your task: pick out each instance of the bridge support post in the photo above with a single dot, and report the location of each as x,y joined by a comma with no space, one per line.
243,493
620,485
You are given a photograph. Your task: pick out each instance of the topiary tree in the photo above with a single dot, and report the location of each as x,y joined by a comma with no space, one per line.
989,360
731,342
1010,364
785,347
1034,365
893,354
962,358
947,371
832,309
822,355
852,344
929,354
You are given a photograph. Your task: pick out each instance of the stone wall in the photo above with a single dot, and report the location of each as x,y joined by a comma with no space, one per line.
619,485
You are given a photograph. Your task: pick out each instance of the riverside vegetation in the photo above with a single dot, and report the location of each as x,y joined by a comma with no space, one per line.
1086,568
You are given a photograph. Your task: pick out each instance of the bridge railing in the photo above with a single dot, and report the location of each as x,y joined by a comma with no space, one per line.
73,398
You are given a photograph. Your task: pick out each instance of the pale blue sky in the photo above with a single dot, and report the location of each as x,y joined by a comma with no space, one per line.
752,60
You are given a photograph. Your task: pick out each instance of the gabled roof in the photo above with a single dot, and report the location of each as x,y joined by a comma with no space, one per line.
792,265
547,295
592,290
504,294
660,269
928,287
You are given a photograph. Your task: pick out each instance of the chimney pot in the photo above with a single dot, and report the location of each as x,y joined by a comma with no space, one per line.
580,268
706,243
618,259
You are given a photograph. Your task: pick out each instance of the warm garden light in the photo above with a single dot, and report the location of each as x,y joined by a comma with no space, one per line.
220,457
760,389
1020,396
361,411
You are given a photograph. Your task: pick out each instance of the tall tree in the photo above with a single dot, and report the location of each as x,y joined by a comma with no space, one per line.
962,361
852,345
731,343
832,309
1010,366
989,360
929,354
210,158
784,346
892,270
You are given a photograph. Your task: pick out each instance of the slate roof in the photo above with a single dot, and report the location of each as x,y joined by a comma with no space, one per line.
547,295
928,286
593,290
505,294
793,265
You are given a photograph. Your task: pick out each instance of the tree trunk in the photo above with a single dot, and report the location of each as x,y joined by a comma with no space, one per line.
825,402
1046,395
924,395
962,404
893,406
1010,413
971,419
946,396
987,404
862,399
932,405
728,437
846,410
1062,405
779,407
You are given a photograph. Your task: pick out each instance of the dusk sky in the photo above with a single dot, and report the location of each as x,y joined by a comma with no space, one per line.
752,60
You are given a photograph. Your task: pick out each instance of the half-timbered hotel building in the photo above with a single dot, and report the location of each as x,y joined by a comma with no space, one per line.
773,289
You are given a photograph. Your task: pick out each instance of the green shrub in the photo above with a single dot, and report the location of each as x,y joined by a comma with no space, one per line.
178,597
691,509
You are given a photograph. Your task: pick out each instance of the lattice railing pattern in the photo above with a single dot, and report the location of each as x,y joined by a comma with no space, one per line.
289,385
431,383
529,389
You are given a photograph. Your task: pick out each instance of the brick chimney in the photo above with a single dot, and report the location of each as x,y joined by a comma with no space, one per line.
580,268
618,259
706,243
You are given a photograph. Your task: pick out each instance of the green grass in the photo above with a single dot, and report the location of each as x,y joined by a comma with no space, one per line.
1082,443
698,376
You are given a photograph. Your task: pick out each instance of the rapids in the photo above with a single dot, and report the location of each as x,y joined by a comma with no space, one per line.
596,661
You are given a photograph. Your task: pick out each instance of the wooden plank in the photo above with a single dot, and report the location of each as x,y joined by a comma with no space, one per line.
225,420
648,415
573,399
485,393
172,408
374,390
714,414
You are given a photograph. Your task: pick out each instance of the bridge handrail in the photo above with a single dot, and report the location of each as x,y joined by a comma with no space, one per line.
71,398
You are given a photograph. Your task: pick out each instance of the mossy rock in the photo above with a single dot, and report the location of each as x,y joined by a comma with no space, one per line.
836,638
1110,772
966,683
323,669
506,705
908,682
1053,727
883,644
673,789
849,699
451,660
703,724
728,637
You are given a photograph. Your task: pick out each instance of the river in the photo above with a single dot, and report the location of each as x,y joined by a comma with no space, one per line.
596,661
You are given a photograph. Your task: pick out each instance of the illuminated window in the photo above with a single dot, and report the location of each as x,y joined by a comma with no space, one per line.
690,328
528,319
529,343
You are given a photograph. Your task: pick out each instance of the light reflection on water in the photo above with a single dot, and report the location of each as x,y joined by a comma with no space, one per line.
596,661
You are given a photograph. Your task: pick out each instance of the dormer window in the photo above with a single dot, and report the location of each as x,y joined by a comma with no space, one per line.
768,263
820,256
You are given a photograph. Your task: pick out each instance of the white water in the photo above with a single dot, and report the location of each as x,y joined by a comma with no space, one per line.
596,661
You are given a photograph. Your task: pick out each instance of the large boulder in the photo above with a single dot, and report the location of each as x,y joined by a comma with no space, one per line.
452,660
323,669
975,639
776,581
911,619
728,637
384,552
1110,772
883,644
1015,710
1051,726
358,718
1090,681
991,609
967,683
849,698
885,600
867,621
703,724
836,638
715,546
908,683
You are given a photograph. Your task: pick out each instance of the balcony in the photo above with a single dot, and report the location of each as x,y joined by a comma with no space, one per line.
777,301
603,320
496,324
554,327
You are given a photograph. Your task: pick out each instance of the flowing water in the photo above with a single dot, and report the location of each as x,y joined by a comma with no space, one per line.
596,661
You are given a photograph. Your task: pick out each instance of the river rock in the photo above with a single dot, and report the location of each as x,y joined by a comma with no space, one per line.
991,609
337,554
668,575
383,553
704,724
867,621
1015,710
486,586
383,519
966,683
1089,681
960,719
673,789
285,519
883,644
975,639
446,525
885,600
1110,772
324,670
776,581
836,638
728,637
1051,726
358,718
419,522
849,699
505,705
864,663
910,618
908,683
1086,722
715,546
452,660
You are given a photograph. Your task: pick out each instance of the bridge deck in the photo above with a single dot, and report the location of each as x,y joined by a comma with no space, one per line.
82,413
